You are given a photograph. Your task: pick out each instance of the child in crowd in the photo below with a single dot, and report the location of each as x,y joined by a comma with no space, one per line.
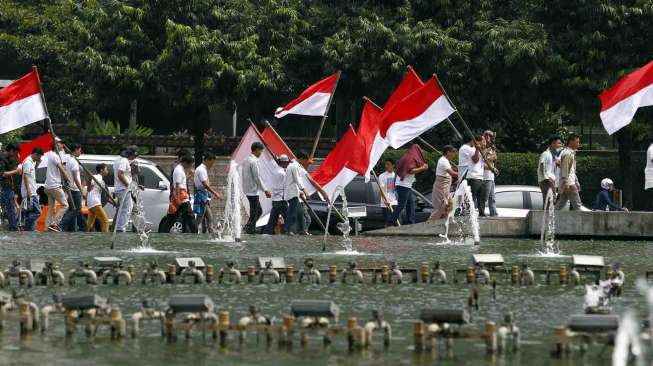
94,199
389,192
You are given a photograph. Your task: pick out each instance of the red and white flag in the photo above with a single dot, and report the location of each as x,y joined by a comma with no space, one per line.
275,143
266,166
313,101
371,144
620,103
415,114
43,141
333,172
21,103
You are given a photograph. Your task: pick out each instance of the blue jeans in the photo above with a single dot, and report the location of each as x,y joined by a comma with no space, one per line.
8,199
405,200
278,208
31,212
296,214
490,196
125,209
387,215
74,220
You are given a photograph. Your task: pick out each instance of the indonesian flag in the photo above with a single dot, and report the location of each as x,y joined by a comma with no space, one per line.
415,114
266,166
312,101
333,172
621,101
371,145
43,141
274,142
21,103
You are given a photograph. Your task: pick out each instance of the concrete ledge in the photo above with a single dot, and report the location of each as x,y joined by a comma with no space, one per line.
507,227
596,223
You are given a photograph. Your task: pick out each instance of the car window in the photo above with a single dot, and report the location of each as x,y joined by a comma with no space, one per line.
536,200
356,191
511,199
147,177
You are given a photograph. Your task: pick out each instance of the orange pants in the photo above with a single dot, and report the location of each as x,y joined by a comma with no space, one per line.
97,212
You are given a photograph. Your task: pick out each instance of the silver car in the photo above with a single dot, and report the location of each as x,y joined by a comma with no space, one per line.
516,200
155,195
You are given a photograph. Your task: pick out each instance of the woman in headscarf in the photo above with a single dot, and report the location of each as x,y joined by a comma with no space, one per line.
411,163
441,187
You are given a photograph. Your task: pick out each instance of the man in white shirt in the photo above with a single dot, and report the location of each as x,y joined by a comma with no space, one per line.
74,219
122,177
203,192
569,185
53,187
279,204
388,188
252,185
30,206
546,168
471,166
180,200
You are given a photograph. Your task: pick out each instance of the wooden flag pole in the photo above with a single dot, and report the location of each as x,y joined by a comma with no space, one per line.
467,129
54,137
385,198
326,115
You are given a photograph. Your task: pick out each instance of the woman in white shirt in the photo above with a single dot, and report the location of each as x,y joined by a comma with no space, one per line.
444,173
489,170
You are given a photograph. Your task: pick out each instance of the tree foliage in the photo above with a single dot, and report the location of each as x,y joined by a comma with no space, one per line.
524,68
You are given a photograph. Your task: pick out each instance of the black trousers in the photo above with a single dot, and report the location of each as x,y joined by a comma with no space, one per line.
278,208
254,214
476,186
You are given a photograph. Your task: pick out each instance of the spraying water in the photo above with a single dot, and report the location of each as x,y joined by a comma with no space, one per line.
548,244
137,214
229,226
627,341
464,215
344,227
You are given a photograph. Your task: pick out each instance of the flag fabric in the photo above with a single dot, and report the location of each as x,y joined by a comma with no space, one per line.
21,103
415,114
313,101
408,85
333,172
274,142
371,145
266,165
620,103
43,141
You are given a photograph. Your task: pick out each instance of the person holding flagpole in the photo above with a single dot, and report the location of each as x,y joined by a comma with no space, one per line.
252,185
54,188
409,165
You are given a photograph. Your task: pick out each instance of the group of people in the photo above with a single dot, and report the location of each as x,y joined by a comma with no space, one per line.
556,175
288,193
477,161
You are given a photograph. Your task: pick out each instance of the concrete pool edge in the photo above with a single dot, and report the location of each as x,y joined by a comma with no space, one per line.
572,224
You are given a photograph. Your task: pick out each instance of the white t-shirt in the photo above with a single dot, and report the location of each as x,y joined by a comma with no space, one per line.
488,174
293,180
548,169
179,177
442,168
29,171
72,167
94,196
407,182
121,164
201,175
278,183
52,175
388,180
465,156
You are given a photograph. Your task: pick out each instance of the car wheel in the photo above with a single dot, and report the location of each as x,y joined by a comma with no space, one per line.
177,227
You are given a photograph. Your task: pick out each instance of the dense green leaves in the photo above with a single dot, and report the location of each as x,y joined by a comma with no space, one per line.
524,68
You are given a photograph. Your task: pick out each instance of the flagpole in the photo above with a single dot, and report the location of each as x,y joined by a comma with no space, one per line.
49,124
467,129
385,198
268,125
326,115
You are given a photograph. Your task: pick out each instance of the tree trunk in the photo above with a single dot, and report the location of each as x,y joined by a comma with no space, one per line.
625,141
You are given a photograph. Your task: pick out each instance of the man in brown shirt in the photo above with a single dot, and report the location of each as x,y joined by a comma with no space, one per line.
569,185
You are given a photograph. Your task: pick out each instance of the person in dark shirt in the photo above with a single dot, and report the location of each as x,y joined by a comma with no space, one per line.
603,200
9,173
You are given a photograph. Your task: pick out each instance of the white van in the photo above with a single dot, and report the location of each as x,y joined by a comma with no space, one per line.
157,185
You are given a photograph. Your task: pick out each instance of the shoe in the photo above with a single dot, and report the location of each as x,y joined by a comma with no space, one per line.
54,228
306,233
291,233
